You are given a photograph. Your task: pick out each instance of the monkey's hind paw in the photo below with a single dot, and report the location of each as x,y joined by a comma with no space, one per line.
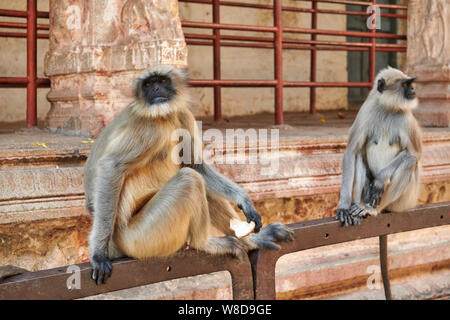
359,211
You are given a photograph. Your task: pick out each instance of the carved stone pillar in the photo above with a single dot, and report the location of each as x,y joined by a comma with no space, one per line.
96,48
428,58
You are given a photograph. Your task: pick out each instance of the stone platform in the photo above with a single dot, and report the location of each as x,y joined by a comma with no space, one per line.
43,223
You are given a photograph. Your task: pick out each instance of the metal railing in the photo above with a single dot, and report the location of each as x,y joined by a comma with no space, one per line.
252,278
31,81
279,41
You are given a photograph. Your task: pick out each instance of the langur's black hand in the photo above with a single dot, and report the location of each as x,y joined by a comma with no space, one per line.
251,214
101,268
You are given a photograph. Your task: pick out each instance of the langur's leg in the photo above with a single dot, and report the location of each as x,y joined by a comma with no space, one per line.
403,191
221,212
178,213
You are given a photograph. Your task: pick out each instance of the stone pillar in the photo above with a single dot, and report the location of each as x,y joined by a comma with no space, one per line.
428,58
96,48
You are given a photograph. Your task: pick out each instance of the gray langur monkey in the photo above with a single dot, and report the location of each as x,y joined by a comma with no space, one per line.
144,204
383,155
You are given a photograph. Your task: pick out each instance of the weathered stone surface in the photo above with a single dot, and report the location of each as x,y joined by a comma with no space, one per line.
97,48
43,186
39,245
428,59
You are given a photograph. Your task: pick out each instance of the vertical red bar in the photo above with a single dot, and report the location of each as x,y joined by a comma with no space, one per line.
217,65
31,63
313,69
278,45
373,41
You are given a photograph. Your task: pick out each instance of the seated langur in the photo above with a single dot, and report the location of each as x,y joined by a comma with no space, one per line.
382,159
143,203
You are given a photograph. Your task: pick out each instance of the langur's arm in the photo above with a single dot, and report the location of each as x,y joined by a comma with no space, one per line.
357,139
107,186
348,176
222,185
405,160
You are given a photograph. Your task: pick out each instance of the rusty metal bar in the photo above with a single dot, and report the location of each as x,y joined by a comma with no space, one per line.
31,82
278,43
323,232
289,40
327,84
21,35
232,83
345,33
240,27
128,273
217,64
293,47
21,25
22,14
278,63
384,266
8,82
272,83
373,49
313,64
361,3
293,9
32,63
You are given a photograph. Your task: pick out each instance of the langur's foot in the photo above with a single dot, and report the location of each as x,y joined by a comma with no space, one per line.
359,211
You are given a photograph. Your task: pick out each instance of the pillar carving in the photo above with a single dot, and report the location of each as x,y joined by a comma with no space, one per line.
428,58
96,49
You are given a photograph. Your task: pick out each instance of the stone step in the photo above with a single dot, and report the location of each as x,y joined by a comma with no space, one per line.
43,223
46,181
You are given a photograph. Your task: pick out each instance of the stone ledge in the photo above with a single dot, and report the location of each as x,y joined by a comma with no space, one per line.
37,179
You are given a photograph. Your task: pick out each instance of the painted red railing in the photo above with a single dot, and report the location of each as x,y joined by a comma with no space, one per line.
278,42
31,81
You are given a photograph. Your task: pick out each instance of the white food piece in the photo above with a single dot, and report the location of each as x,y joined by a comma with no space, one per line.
241,228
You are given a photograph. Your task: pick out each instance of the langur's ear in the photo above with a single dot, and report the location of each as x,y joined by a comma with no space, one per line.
381,85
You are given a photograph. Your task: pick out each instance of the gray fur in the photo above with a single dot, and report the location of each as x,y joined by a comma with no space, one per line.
385,123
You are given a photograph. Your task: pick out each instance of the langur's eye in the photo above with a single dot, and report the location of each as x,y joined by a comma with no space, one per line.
147,84
162,80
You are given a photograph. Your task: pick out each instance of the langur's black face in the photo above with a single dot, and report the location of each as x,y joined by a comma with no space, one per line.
408,89
404,86
157,89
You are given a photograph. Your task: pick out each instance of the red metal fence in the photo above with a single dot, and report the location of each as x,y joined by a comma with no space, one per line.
277,42
31,81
